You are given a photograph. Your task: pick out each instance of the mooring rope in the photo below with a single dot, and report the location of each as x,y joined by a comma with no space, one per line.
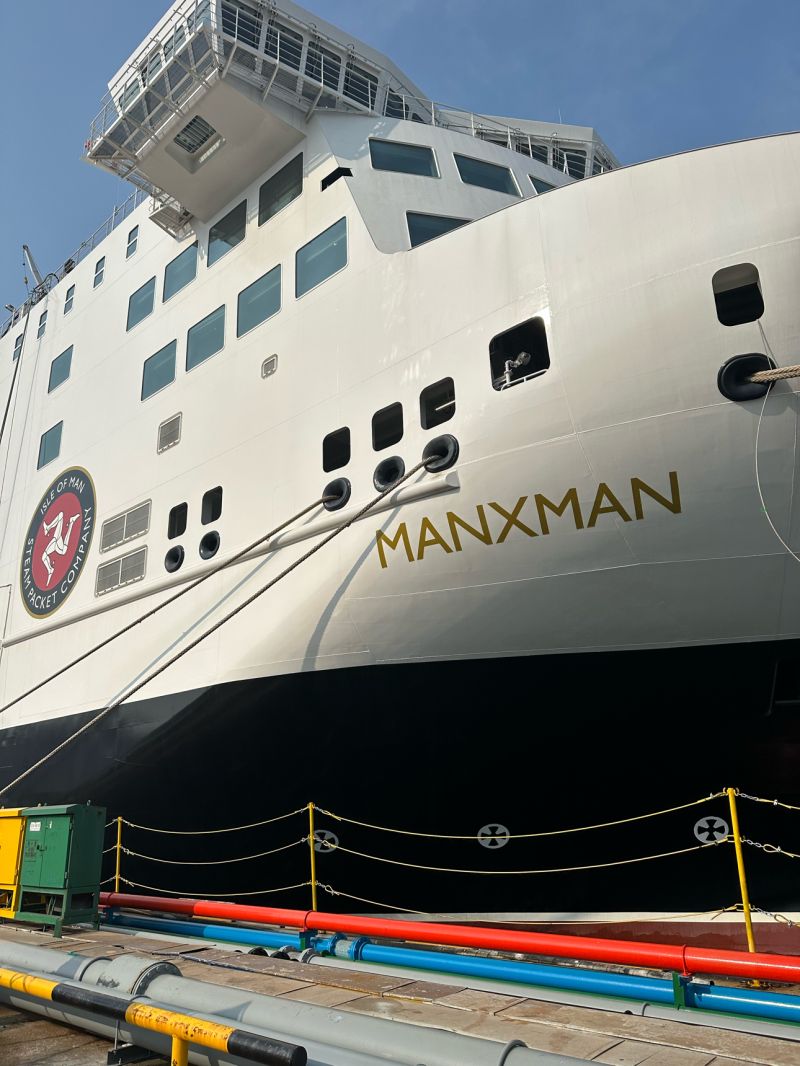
778,373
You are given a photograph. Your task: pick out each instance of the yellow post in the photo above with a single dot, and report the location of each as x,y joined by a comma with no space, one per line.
313,854
119,854
737,843
180,1052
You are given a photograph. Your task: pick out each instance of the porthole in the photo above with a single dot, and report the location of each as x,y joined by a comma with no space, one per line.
209,545
173,560
440,453
388,472
337,493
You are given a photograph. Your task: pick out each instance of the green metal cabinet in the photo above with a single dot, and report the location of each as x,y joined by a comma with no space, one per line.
60,869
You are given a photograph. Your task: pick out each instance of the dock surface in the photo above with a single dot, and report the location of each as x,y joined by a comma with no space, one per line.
583,1032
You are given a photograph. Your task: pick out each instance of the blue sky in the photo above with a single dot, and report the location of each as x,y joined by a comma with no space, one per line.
652,76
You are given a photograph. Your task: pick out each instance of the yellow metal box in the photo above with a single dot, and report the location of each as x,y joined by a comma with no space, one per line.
12,832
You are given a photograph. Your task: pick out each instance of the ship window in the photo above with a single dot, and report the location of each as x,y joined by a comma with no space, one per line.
387,426
206,338
321,258
212,505
336,449
18,347
59,369
159,370
99,272
279,190
737,293
180,271
403,158
227,233
69,300
42,324
486,175
125,527
122,571
519,353
360,85
284,44
330,179
571,161
258,302
539,185
173,43
323,65
241,21
140,305
176,526
49,445
422,228
133,241
437,403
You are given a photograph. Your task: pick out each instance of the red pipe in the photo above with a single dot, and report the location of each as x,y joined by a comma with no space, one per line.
685,960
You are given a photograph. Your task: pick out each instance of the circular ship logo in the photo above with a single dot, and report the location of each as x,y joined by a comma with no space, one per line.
57,542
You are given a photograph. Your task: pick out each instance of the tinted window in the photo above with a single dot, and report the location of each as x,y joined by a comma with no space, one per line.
227,233
176,525
422,228
737,294
336,449
159,370
99,271
280,189
437,403
403,158
180,271
69,299
212,505
259,301
42,324
133,240
539,185
487,175
387,426
206,338
141,303
49,445
18,346
59,369
519,353
321,258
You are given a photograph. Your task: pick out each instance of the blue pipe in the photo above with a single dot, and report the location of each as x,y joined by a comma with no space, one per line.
228,933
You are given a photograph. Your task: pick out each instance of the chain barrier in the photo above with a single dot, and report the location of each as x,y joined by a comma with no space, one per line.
770,849
770,802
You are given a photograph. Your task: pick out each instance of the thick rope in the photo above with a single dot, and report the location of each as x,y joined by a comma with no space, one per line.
160,607
779,373
212,629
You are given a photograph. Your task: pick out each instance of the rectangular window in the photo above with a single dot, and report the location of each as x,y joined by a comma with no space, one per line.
486,175
403,158
122,571
212,505
99,271
284,44
176,524
320,258
124,527
437,403
241,21
737,294
18,347
258,302
280,189
133,240
49,446
69,300
336,449
539,185
140,305
422,228
206,338
360,85
323,65
159,370
387,426
42,324
59,369
519,354
180,272
227,233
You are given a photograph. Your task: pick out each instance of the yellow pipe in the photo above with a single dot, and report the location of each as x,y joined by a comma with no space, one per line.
182,1027
39,987
737,843
313,854
180,1052
119,854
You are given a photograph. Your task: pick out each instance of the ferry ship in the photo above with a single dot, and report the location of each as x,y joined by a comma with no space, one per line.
582,608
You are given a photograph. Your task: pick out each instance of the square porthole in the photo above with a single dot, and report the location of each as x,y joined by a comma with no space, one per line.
176,525
336,449
387,426
212,505
737,294
519,354
437,403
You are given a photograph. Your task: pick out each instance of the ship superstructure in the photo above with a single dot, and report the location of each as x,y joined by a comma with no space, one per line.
320,273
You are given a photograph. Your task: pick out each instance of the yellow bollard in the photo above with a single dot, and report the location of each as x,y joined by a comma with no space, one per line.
180,1052
313,856
119,854
737,843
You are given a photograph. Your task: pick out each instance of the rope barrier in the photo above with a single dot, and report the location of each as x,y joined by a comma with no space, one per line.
210,862
511,873
213,628
194,894
523,836
210,832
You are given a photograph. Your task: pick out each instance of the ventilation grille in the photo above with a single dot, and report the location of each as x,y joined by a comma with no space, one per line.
125,527
195,134
119,572
169,433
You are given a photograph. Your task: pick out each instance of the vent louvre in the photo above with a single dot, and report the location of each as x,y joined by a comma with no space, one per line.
169,433
125,527
122,571
195,134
